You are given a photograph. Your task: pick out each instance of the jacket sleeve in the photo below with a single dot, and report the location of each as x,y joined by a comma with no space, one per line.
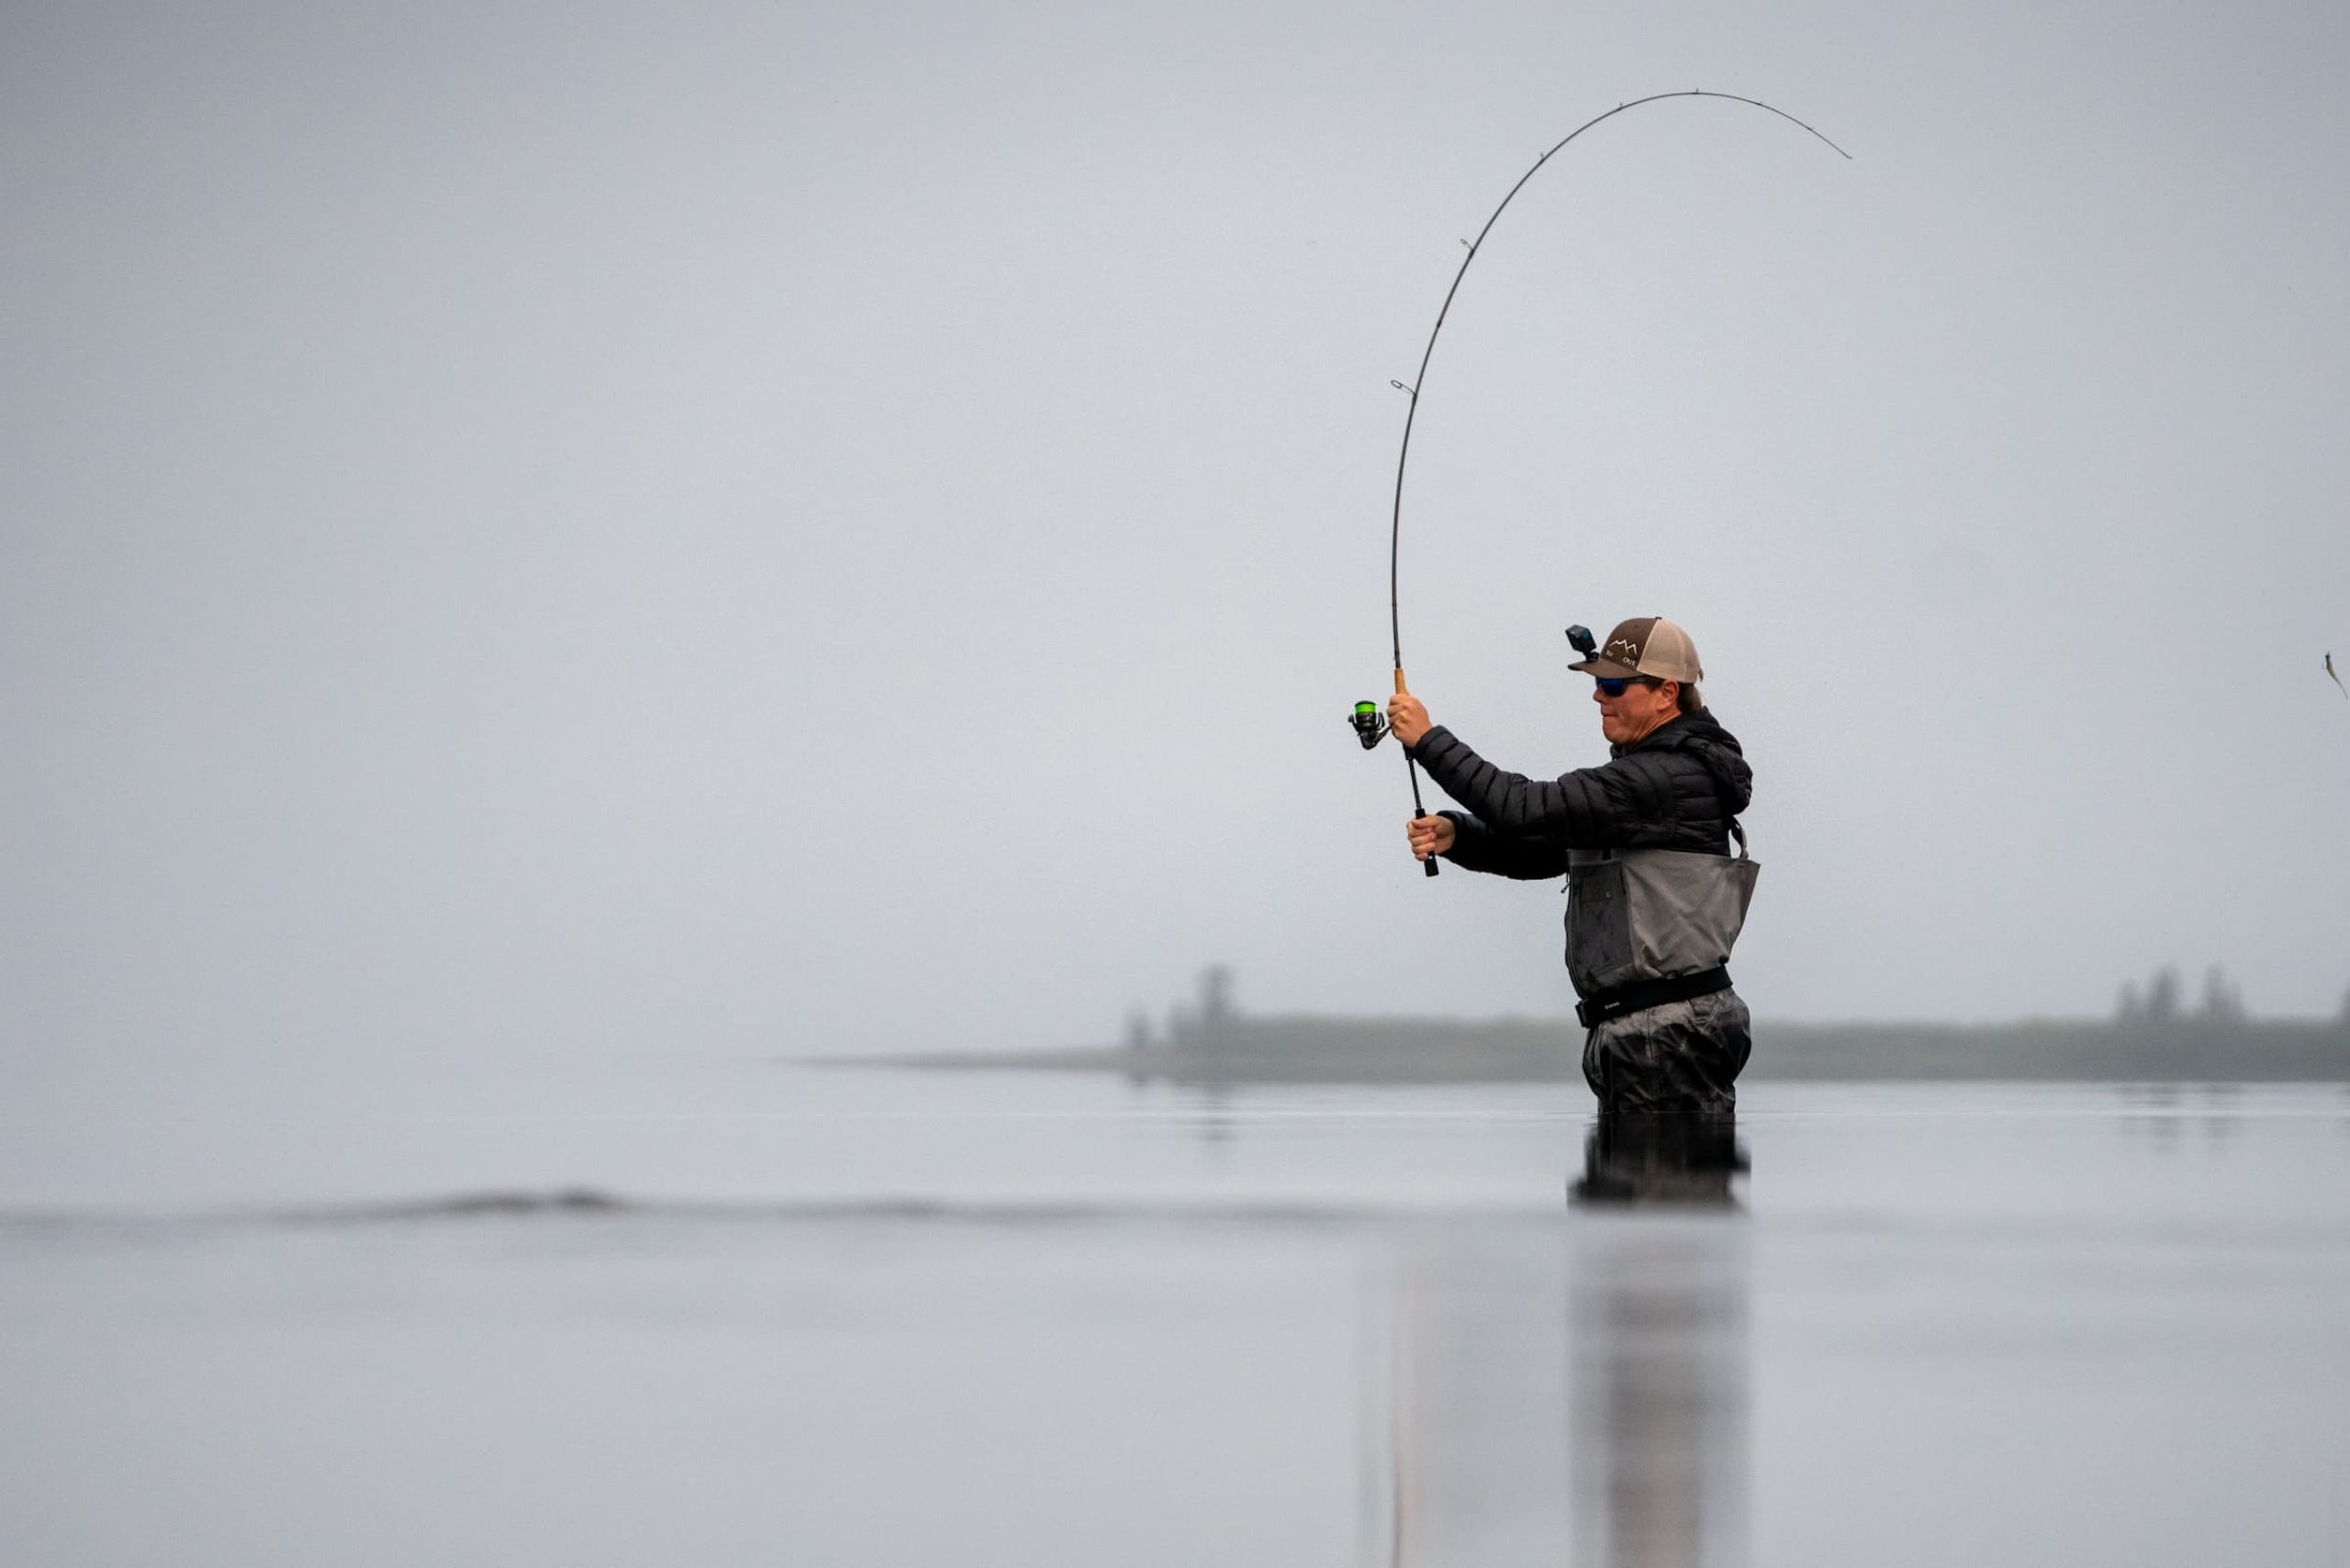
1476,847
1576,810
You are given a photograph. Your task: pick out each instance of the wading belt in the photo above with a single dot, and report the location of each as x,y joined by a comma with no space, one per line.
1593,1011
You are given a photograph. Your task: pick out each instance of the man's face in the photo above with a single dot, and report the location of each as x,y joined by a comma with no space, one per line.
1639,710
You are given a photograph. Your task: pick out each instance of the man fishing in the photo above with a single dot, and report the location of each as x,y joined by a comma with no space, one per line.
1655,900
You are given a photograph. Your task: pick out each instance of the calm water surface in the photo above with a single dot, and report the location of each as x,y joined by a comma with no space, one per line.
736,1312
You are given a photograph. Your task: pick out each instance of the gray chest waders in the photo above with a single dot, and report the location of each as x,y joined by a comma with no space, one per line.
1648,926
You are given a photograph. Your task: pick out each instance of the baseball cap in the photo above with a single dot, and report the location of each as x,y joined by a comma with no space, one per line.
1649,645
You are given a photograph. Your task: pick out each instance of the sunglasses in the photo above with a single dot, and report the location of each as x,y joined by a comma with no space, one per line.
1618,688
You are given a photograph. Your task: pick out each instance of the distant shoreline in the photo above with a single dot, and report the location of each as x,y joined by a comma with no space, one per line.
1300,1050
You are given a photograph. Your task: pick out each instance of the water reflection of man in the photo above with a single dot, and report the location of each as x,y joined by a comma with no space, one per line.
1655,900
1679,1161
1658,1394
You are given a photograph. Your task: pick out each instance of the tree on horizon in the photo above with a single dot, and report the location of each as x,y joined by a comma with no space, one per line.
2222,998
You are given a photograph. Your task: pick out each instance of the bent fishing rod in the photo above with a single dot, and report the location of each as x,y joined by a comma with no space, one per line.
1369,727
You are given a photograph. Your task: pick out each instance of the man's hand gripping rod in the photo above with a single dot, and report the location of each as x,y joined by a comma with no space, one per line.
1370,728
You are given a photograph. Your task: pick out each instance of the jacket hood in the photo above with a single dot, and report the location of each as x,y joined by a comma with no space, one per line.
1709,743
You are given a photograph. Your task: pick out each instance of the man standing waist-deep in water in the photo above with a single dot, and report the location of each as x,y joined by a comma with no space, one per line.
1655,900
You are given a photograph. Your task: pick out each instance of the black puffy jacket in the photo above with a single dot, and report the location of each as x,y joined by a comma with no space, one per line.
1678,787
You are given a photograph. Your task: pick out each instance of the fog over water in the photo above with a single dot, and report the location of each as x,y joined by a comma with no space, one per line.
724,529
879,1318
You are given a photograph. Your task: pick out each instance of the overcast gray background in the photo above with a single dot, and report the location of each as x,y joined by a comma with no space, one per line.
746,529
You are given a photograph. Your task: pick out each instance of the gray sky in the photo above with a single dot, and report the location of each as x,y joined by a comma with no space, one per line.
741,529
